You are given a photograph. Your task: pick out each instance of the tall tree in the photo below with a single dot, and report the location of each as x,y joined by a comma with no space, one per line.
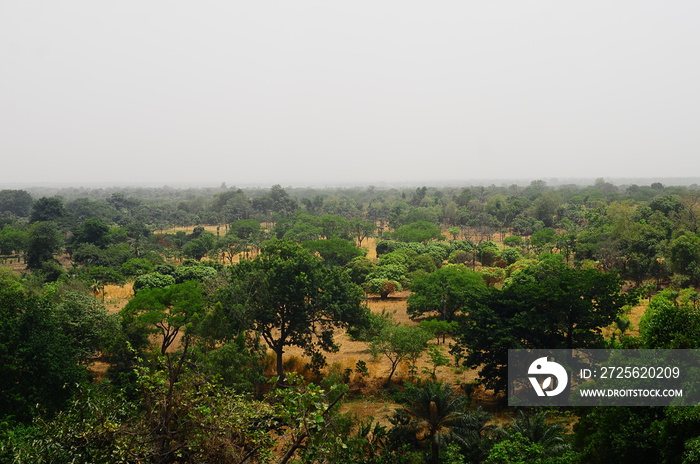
17,202
47,209
292,299
44,240
546,305
447,291
436,413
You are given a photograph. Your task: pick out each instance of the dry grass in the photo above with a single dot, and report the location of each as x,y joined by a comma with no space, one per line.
117,296
189,229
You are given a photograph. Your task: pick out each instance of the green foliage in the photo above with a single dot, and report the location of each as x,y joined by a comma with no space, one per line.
381,287
200,273
420,231
246,229
513,241
38,362
237,365
136,267
517,449
47,209
15,202
392,272
45,239
166,311
434,412
94,231
336,251
546,305
488,253
292,299
399,343
685,256
12,240
439,328
510,255
86,324
448,291
535,427
153,280
359,268
372,327
672,320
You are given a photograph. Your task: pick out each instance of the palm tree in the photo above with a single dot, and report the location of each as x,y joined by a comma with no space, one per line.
434,415
536,429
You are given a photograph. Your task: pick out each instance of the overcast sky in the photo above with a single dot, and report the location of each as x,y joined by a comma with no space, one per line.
328,92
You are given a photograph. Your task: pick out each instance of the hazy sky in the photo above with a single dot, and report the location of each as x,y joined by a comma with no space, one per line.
295,92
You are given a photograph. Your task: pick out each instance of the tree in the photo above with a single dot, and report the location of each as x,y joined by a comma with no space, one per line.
535,427
336,251
153,280
420,231
12,240
48,209
167,311
333,226
435,412
685,256
93,231
44,240
15,202
546,305
448,291
382,287
38,362
85,322
362,230
399,343
246,230
672,321
292,299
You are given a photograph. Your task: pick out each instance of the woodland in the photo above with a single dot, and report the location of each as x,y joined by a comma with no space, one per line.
347,325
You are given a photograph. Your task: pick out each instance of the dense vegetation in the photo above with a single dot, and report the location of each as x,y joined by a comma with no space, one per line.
188,377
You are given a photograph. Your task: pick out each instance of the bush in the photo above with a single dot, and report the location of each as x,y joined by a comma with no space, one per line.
153,280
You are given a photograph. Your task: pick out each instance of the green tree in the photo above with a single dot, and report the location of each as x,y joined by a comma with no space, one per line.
47,209
45,239
153,280
435,412
545,305
336,251
38,362
15,202
292,299
12,240
448,291
399,343
167,311
672,320
94,231
685,255
420,231
86,323
362,230
537,429
382,287
334,226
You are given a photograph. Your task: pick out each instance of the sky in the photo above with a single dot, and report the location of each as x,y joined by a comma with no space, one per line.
335,92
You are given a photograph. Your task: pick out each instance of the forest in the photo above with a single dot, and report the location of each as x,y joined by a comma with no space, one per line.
347,325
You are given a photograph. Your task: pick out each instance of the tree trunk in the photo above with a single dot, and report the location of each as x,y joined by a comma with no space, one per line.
280,370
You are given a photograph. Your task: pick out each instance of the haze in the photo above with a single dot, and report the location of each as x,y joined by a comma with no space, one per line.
347,92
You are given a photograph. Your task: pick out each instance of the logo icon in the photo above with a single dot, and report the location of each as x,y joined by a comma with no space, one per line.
541,366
